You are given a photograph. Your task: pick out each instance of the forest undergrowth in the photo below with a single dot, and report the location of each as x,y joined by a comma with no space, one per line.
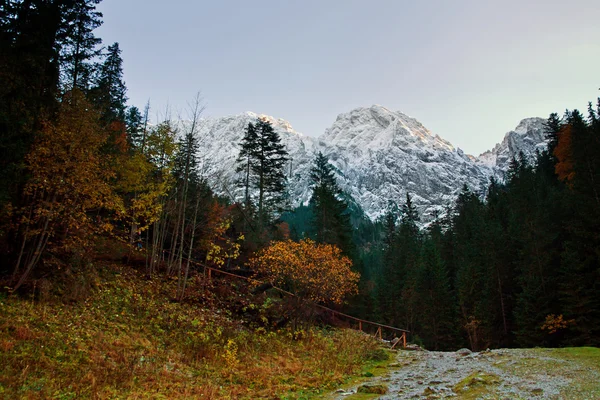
105,330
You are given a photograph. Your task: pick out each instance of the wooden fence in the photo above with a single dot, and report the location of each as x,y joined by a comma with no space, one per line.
208,270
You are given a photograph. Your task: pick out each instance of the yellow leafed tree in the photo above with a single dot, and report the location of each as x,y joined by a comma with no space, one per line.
69,178
317,272
143,179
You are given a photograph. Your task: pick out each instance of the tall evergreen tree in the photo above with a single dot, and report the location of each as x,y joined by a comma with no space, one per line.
79,45
436,313
331,218
134,125
109,91
29,71
387,300
580,269
246,159
262,159
408,249
468,228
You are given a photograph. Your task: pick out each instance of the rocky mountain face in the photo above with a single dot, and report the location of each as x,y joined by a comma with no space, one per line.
528,138
379,155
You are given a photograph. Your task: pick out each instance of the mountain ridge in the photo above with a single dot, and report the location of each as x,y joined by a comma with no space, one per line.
378,155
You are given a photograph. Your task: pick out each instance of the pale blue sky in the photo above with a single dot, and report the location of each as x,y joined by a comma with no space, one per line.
469,70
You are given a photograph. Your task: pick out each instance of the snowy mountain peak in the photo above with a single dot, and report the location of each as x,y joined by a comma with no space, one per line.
279,124
528,138
376,127
379,155
529,125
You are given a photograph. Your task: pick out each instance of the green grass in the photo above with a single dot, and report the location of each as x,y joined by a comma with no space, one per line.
579,365
124,337
476,385
587,373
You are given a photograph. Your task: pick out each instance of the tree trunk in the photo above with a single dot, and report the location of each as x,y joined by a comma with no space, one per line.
187,265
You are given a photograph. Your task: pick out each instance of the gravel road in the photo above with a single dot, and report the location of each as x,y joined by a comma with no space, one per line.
495,374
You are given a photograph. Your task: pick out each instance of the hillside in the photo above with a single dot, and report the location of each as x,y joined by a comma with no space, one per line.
107,332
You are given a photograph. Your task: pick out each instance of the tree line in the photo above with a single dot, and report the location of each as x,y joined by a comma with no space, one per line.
79,164
517,267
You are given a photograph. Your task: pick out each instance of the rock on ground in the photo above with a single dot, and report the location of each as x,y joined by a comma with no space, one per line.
497,374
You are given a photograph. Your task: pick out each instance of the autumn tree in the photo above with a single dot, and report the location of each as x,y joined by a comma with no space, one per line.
312,271
143,180
69,178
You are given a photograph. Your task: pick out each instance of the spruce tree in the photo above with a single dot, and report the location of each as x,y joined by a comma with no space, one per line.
28,84
79,45
109,91
331,218
387,301
245,160
436,316
553,127
408,247
262,159
134,124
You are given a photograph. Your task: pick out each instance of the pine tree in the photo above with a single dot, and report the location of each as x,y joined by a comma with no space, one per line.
262,159
580,278
246,160
134,125
410,216
270,178
331,219
109,90
436,318
29,73
387,301
553,127
79,45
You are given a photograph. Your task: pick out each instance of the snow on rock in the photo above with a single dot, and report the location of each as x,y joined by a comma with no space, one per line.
378,154
219,148
528,138
383,155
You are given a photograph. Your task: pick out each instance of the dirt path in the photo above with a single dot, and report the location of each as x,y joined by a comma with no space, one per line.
496,374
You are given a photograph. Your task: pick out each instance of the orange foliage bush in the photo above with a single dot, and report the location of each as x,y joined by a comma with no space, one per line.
318,272
554,323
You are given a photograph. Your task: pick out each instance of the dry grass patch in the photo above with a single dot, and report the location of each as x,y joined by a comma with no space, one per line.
127,339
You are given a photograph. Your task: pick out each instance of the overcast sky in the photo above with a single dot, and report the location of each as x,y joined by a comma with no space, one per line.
469,70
